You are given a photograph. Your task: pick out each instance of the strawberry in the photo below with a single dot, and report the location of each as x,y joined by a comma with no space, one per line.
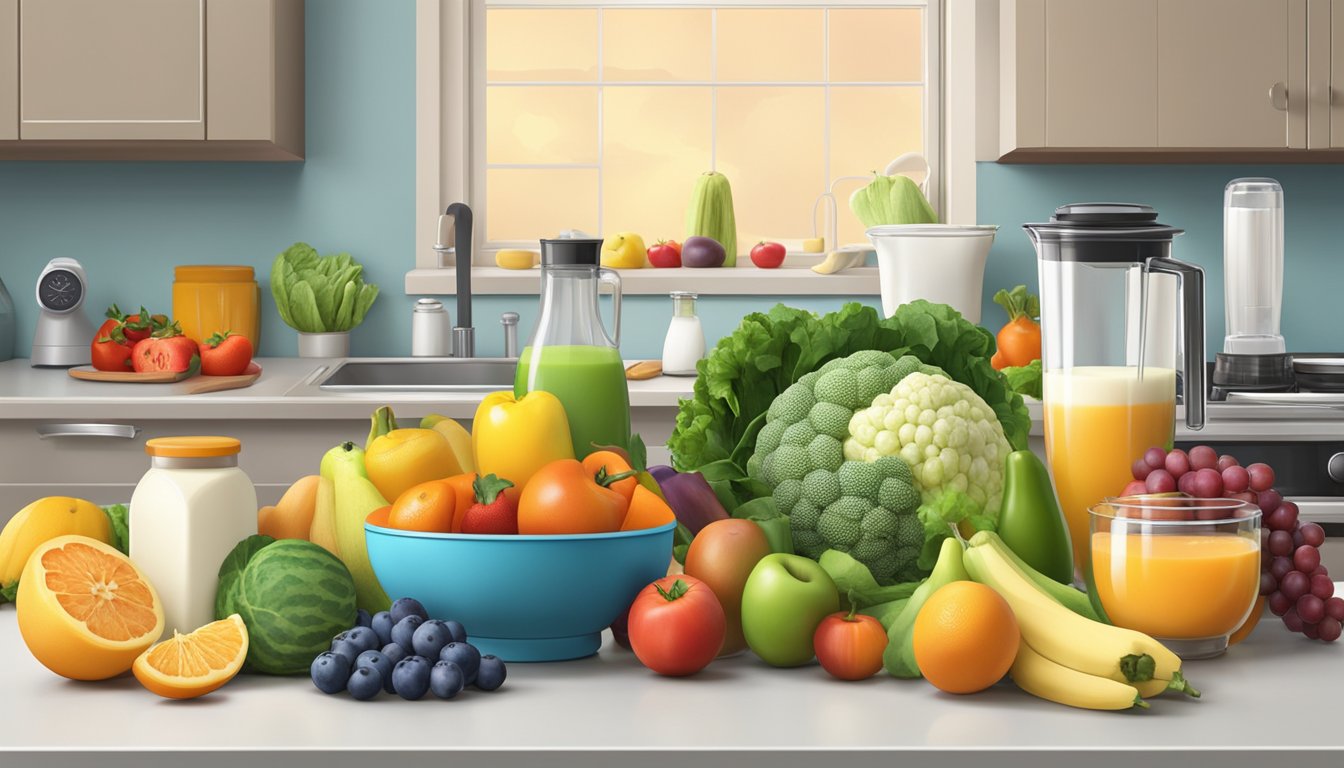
493,511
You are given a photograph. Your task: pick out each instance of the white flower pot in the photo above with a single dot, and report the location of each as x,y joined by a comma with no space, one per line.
324,344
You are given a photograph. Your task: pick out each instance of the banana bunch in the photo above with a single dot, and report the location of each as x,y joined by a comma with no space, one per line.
1066,656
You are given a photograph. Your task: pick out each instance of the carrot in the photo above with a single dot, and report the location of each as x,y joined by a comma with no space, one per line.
1019,340
646,511
615,464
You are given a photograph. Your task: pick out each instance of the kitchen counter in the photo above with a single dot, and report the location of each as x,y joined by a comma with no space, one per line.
1269,699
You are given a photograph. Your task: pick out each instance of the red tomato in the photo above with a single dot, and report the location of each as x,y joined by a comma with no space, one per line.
225,354
106,353
676,625
141,325
665,253
850,647
767,255
174,353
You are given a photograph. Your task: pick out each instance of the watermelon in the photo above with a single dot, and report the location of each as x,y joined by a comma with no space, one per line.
294,596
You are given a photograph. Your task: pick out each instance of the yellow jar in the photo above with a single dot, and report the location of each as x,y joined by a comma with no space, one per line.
211,299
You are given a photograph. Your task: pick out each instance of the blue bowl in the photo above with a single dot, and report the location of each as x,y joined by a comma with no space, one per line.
522,598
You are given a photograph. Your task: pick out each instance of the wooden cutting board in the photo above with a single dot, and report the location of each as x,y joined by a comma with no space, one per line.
646,369
86,373
202,384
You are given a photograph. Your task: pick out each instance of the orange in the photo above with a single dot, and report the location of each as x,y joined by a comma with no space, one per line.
191,665
965,637
646,510
427,507
404,458
84,610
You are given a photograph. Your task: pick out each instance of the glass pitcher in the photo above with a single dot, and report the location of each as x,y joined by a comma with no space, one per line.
570,354
1109,342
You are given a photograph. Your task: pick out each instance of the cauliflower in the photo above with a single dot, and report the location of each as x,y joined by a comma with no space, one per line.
946,433
861,507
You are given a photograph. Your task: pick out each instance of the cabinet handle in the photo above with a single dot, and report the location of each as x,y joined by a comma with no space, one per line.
1278,97
124,431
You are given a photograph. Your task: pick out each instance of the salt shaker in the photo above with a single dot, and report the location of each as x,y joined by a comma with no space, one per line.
430,329
685,342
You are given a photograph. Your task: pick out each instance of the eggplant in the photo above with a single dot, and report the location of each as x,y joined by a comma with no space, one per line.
703,252
692,500
661,472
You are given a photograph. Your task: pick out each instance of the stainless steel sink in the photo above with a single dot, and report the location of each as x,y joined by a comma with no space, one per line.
420,375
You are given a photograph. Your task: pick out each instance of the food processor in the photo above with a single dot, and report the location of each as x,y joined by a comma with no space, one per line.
1254,357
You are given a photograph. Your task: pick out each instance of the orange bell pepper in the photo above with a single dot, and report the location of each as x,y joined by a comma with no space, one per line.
613,464
646,510
564,497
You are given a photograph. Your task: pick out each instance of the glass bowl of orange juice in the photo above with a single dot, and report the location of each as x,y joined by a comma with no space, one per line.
1183,570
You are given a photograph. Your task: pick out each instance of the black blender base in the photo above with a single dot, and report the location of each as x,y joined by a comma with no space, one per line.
1251,373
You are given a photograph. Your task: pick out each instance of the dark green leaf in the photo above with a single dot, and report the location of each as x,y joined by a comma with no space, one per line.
119,517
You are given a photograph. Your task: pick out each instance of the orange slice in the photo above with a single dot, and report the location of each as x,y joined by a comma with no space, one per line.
191,665
84,610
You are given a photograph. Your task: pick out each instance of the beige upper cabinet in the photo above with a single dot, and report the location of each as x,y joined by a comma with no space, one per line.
152,79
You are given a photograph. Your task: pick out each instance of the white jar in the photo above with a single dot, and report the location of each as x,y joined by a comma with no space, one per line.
685,342
188,511
431,330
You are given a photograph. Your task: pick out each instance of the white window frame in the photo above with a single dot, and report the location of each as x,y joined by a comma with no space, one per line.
448,167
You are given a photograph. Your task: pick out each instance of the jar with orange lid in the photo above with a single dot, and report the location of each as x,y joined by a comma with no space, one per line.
210,299
187,512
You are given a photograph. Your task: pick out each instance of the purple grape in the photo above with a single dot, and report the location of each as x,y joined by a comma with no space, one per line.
1226,461
1140,469
1270,500
1186,483
1208,484
1298,538
1280,567
1312,534
1262,476
1156,457
1322,587
1294,585
1282,519
1306,558
1281,543
1312,631
1311,608
1328,629
1177,463
1250,497
1320,571
1278,604
1267,584
1292,621
1236,479
1160,481
1203,457
1334,608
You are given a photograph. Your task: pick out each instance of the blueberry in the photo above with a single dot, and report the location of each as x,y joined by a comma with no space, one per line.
381,623
465,656
429,639
491,674
363,637
379,662
407,606
365,683
347,649
394,653
403,632
329,672
456,631
362,618
410,678
445,680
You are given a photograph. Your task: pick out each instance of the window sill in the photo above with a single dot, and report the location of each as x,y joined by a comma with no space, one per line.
736,281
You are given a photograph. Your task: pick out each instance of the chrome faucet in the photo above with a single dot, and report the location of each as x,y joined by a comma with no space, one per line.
455,228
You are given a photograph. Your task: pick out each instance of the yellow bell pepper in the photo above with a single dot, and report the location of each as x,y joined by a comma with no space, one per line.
514,437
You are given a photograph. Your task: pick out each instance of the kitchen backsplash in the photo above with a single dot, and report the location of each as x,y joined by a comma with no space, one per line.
130,223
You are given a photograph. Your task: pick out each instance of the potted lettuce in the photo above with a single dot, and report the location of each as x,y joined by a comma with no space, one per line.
321,297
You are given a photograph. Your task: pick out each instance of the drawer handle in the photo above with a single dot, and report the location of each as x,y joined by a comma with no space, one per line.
1278,97
124,431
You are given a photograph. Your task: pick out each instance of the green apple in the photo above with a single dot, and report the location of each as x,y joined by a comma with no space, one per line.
785,598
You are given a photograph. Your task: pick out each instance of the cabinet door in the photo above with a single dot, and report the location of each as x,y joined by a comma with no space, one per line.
1232,73
1335,89
9,69
112,69
1101,64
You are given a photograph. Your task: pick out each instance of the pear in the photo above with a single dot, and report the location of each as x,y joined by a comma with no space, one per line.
323,530
356,497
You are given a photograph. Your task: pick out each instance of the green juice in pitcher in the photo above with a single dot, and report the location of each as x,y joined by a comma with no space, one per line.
590,382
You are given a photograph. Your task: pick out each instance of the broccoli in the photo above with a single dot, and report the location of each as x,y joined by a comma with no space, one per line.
866,509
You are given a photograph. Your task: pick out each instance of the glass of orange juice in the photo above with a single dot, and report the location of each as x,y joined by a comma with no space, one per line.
1184,570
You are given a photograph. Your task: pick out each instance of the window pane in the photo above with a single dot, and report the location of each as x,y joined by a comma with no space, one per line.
541,44
877,44
656,44
870,127
768,147
540,124
770,44
655,142
526,204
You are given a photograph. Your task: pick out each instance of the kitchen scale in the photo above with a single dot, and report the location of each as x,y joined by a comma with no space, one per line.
64,333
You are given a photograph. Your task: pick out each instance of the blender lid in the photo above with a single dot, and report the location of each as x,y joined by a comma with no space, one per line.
1103,222
571,252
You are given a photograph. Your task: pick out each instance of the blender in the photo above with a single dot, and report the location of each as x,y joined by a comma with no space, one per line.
1109,323
1254,358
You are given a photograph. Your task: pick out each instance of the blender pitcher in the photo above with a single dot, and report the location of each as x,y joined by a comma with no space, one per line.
1109,323
570,354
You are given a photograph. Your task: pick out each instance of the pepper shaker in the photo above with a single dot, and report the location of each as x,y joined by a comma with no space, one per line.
430,328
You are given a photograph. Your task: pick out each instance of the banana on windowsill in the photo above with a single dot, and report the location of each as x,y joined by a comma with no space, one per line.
839,261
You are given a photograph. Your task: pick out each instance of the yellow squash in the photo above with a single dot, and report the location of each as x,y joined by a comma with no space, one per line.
513,438
43,520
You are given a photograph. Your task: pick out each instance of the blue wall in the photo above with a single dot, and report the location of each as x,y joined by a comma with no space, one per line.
1190,197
